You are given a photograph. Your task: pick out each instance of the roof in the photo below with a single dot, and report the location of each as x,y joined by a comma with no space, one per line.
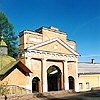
7,64
5,60
2,43
88,68
8,67
53,40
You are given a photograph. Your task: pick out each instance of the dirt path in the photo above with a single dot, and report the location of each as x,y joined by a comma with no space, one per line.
58,95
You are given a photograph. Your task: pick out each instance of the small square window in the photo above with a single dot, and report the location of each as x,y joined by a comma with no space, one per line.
80,86
87,85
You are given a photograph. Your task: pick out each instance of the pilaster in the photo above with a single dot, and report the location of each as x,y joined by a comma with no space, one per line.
44,78
25,41
62,81
76,81
66,83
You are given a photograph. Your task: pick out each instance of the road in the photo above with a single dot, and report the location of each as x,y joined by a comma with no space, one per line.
92,95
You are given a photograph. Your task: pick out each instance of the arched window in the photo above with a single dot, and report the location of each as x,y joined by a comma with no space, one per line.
35,84
71,82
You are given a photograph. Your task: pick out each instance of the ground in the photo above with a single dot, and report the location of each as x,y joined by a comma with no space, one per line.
58,95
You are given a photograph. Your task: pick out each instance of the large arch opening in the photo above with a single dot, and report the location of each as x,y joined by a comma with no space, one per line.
54,78
35,84
71,82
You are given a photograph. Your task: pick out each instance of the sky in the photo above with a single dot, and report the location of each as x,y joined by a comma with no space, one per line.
80,19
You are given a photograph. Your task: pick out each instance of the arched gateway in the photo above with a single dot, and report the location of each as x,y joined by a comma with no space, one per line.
54,78
42,48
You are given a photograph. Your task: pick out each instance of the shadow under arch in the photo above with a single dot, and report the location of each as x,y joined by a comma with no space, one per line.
54,78
35,84
71,83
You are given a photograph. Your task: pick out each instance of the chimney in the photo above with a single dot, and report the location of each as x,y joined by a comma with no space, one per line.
92,61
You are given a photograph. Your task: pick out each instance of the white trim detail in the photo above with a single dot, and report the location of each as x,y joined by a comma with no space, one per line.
53,40
77,82
34,40
24,41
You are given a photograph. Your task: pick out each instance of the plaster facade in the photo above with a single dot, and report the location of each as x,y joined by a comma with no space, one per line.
45,48
88,75
87,82
13,78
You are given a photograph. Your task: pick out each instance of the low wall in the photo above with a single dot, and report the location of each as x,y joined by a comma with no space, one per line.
95,88
13,89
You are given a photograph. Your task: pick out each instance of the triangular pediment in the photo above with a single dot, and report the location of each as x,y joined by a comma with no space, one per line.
54,45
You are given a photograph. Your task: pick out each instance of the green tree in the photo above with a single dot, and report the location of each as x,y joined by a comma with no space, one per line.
6,29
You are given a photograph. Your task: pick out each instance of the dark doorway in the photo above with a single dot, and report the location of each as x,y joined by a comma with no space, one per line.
54,78
71,82
35,84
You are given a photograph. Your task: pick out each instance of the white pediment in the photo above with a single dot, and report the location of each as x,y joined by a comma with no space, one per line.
51,41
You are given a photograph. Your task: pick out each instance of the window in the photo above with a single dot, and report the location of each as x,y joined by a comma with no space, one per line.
87,85
80,86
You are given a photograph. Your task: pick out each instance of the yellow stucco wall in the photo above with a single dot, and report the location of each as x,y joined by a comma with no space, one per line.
47,35
32,39
72,69
16,78
36,68
93,79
